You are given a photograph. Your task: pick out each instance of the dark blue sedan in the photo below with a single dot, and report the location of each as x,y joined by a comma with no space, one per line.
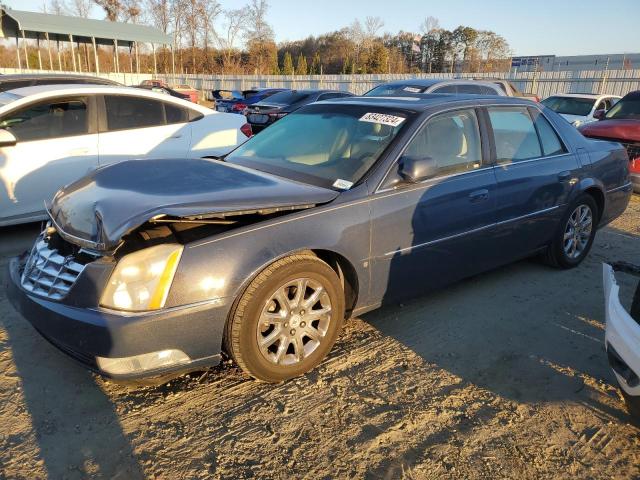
153,267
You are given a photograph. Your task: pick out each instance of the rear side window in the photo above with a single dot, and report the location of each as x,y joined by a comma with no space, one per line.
127,112
176,114
51,119
514,134
549,140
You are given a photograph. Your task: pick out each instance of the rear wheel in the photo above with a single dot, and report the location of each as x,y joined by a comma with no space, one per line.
287,320
575,235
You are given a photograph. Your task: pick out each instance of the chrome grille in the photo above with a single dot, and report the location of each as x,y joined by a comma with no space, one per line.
49,274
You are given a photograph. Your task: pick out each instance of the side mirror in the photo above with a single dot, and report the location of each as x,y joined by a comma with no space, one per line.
7,139
416,169
599,114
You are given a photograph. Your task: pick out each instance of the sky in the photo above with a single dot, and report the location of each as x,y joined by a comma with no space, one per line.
542,27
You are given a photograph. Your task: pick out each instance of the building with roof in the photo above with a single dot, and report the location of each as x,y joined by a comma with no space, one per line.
48,28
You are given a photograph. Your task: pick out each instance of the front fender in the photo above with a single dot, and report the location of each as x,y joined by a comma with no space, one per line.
222,266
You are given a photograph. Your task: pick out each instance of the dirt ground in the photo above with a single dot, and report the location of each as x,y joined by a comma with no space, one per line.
501,376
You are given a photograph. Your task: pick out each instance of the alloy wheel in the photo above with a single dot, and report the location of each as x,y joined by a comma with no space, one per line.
578,231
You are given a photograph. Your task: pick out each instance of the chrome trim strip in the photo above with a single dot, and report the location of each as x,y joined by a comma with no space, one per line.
621,187
439,240
532,214
468,232
529,160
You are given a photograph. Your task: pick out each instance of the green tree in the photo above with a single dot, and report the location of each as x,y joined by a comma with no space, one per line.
301,65
378,61
287,64
316,64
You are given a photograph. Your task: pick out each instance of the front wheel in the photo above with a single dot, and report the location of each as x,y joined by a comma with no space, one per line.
576,233
287,320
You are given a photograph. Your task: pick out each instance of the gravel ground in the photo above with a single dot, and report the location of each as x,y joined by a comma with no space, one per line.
501,376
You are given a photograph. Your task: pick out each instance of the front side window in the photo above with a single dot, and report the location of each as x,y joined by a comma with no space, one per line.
127,112
627,108
514,134
452,140
346,141
46,120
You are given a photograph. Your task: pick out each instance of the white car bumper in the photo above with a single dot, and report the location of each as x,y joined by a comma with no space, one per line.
622,337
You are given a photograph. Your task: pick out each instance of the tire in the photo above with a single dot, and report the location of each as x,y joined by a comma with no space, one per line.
296,332
633,407
556,254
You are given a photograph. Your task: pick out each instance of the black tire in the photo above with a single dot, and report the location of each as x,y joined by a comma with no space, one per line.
633,407
555,254
241,331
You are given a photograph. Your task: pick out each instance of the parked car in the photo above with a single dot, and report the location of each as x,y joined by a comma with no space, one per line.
187,90
165,91
265,112
621,124
154,82
622,337
148,268
52,135
579,108
235,101
11,82
414,86
509,88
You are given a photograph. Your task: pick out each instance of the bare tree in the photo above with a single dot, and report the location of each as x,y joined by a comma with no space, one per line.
211,11
372,25
430,24
81,8
159,12
260,37
112,8
235,25
56,7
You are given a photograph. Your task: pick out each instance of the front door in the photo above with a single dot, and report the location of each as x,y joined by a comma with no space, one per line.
56,144
434,232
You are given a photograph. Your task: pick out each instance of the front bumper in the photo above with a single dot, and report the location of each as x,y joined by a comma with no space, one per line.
622,336
86,333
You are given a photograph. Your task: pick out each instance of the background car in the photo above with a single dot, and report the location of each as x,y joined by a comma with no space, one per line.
509,88
264,113
10,82
187,90
341,207
235,101
579,108
434,85
622,336
621,124
164,90
52,135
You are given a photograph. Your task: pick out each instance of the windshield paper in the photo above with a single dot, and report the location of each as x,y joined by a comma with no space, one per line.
382,118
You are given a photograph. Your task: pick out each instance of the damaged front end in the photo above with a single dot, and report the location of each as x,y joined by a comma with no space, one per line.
623,334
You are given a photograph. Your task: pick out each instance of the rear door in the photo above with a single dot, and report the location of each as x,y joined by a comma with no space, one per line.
57,143
535,173
140,127
428,234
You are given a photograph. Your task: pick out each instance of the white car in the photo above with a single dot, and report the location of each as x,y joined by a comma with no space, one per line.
622,337
579,108
51,135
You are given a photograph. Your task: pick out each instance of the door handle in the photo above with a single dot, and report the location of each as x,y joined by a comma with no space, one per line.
564,176
479,195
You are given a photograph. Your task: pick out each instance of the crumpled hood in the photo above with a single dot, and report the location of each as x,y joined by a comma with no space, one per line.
99,209
627,130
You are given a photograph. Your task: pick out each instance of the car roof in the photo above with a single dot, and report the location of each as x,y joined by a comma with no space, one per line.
43,91
632,95
422,102
582,95
428,82
56,76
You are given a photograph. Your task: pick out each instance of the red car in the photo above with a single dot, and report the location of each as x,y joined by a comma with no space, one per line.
621,124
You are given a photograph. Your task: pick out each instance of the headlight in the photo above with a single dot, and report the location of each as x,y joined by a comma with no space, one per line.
141,280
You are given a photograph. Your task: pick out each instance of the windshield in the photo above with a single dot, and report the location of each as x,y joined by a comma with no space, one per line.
287,98
393,90
625,108
325,145
570,105
7,97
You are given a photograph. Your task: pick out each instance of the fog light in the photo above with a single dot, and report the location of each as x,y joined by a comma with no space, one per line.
142,363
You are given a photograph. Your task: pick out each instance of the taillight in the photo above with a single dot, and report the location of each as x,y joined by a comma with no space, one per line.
246,129
238,107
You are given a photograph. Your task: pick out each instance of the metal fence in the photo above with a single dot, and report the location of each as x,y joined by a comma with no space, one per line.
543,84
